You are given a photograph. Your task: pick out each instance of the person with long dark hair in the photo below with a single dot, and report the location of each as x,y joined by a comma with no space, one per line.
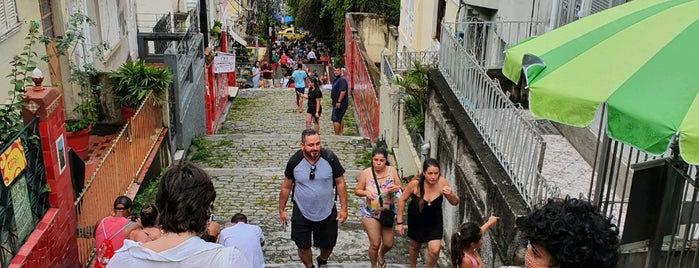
466,242
314,108
427,193
381,175
185,198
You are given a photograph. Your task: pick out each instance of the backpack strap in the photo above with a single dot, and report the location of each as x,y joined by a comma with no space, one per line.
298,157
104,231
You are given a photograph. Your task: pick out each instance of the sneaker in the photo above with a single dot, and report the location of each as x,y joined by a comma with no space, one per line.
322,263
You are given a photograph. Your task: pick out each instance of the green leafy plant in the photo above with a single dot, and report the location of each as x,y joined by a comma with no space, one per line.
134,80
82,73
146,195
216,29
22,64
414,83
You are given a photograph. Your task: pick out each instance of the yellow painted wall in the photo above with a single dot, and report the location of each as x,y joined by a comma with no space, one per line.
13,42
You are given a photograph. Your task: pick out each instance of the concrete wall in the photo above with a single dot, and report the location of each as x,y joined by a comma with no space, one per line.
473,171
13,41
373,33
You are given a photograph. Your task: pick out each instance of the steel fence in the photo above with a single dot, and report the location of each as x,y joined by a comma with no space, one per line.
488,40
402,61
513,139
676,241
118,168
23,202
164,25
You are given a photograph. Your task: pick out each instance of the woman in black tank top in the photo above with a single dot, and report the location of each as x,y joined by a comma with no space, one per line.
425,211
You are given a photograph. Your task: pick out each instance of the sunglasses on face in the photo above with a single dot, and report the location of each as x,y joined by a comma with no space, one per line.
312,175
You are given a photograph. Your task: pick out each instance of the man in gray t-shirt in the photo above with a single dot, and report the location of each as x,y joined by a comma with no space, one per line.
312,173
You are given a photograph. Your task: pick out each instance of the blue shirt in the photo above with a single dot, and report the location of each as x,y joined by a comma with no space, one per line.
299,78
339,85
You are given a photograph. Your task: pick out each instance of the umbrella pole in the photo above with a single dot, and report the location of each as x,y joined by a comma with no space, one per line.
601,166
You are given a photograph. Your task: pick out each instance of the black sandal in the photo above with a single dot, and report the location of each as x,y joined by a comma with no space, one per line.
381,261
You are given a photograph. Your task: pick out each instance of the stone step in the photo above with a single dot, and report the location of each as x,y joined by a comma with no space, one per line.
267,151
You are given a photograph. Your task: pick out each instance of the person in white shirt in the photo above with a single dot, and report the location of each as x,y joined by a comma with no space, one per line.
246,237
311,57
185,199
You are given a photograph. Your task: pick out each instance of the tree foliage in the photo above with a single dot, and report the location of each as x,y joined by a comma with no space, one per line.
325,19
414,97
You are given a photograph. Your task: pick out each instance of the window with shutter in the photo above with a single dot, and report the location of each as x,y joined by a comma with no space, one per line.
8,16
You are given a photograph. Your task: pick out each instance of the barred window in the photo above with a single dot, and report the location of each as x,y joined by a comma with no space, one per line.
8,16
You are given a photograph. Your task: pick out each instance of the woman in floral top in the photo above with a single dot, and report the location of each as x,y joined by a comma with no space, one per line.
380,237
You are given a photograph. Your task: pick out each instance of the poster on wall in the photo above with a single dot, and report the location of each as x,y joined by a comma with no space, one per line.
20,203
12,162
224,63
61,154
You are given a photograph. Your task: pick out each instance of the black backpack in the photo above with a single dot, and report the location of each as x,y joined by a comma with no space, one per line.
325,154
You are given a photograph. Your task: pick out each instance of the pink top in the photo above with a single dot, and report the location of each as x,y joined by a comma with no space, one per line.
111,226
474,262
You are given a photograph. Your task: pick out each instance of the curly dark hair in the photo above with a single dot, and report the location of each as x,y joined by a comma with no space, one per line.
468,233
184,198
574,232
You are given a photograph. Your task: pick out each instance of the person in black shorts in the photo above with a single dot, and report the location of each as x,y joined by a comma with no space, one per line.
313,177
427,192
314,108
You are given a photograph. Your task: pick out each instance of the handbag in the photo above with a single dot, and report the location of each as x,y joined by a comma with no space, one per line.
387,216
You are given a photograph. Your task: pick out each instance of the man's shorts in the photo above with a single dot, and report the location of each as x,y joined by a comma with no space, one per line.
338,114
268,82
300,90
324,232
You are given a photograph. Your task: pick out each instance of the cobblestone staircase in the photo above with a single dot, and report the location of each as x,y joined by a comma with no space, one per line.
247,157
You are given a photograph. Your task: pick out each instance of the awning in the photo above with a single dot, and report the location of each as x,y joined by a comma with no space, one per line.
238,39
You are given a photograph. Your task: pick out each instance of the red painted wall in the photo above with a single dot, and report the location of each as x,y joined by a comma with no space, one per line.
216,92
364,98
53,242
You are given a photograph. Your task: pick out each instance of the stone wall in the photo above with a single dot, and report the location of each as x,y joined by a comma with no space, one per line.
473,171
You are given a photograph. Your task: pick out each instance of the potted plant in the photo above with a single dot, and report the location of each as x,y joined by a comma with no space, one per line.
134,80
81,79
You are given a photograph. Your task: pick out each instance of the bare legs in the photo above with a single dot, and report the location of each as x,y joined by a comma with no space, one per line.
306,255
338,127
311,121
431,254
380,240
299,102
413,248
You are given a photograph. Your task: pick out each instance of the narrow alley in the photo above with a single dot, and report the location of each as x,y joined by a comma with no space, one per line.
246,159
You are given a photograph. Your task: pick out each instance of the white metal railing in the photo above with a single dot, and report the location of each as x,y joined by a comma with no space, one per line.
513,139
488,40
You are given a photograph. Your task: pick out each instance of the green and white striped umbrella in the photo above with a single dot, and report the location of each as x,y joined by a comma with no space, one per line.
640,58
